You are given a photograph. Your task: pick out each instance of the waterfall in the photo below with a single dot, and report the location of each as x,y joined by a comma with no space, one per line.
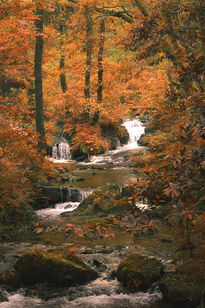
70,197
61,151
135,129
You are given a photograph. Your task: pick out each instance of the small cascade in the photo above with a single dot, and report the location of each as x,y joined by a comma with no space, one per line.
135,129
70,200
61,151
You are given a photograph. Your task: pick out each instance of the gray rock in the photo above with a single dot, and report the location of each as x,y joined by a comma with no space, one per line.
182,290
139,273
39,266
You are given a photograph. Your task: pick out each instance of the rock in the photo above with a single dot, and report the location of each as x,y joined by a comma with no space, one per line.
127,191
146,232
143,141
41,266
77,180
139,273
123,135
114,142
3,296
166,240
181,290
50,195
102,202
99,265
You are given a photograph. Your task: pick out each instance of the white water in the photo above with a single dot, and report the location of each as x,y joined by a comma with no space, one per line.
67,206
61,152
135,129
137,300
58,209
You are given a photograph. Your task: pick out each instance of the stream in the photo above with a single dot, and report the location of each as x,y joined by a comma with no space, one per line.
104,291
103,169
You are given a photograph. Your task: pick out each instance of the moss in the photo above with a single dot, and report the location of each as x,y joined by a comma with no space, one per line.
138,272
182,290
38,265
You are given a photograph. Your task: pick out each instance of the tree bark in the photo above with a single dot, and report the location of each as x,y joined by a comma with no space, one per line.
100,61
89,30
62,29
38,78
63,82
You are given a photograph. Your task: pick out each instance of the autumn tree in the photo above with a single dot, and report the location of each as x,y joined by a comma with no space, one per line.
169,36
38,77
21,166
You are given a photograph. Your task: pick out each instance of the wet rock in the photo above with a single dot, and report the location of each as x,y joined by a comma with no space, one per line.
50,195
99,265
39,266
143,141
3,296
181,290
139,273
102,202
114,142
127,191
145,232
77,180
166,240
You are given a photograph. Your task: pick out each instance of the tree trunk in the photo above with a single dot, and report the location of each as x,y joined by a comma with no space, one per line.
89,30
38,78
63,82
100,69
100,61
62,75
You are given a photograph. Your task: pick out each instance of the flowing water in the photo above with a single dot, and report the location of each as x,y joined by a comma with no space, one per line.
61,152
95,178
104,291
135,129
73,198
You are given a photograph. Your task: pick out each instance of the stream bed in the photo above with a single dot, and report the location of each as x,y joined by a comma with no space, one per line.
105,291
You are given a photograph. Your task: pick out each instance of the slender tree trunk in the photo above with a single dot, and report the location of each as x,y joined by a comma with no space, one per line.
89,30
100,69
38,78
63,82
141,7
100,61
62,75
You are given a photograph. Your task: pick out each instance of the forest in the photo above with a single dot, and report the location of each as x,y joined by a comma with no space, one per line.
74,71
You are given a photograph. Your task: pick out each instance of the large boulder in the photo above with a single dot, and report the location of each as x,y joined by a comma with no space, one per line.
102,202
139,273
182,290
39,266
49,195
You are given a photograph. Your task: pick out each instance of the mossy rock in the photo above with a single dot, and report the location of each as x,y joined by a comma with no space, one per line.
181,290
114,142
102,202
123,135
139,273
143,141
49,195
41,266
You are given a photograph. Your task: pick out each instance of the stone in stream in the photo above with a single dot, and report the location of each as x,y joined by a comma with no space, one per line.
3,296
182,290
39,266
139,273
102,202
